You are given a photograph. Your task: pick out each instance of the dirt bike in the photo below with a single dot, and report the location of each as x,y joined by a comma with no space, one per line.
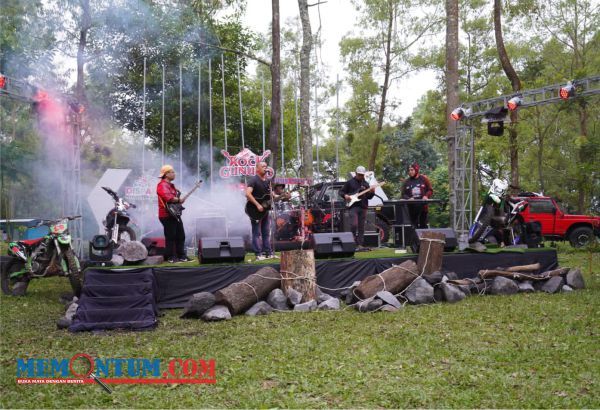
50,255
499,212
117,219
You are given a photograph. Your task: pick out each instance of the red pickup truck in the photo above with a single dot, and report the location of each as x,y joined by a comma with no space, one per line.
579,230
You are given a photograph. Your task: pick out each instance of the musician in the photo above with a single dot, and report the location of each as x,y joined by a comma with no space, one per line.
258,192
358,210
173,227
417,186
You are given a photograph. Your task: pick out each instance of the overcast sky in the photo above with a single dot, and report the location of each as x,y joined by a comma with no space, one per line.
338,18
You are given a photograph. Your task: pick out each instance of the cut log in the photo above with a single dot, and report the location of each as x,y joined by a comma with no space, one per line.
298,272
240,296
534,267
394,280
492,273
431,251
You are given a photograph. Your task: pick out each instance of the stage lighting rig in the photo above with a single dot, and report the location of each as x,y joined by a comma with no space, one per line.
460,113
567,91
514,103
2,81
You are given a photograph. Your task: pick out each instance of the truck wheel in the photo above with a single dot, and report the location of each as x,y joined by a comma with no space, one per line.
581,236
384,230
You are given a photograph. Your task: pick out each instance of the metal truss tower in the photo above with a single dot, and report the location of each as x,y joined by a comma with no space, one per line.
464,183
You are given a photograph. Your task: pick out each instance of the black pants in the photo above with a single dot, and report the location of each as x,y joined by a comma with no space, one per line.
358,215
174,237
418,216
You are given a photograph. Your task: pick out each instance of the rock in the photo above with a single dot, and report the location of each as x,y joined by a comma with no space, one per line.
369,304
503,286
452,293
388,298
566,288
526,287
434,277
133,251
197,305
574,279
478,287
420,292
63,323
153,260
329,304
294,296
466,289
277,300
71,310
553,284
117,260
216,313
389,308
20,288
438,294
451,275
322,296
306,306
260,308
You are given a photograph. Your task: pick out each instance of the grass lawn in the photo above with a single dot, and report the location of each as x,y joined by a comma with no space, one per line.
526,350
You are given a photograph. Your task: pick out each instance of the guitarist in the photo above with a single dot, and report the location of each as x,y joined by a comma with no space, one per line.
260,197
358,210
173,227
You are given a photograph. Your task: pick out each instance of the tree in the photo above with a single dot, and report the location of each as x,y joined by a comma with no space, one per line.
307,149
275,85
452,98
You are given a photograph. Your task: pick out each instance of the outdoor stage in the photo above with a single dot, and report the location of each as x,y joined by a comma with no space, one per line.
175,285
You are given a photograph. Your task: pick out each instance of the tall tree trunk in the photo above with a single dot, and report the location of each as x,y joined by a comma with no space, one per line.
385,87
86,23
307,146
583,184
274,128
452,99
516,86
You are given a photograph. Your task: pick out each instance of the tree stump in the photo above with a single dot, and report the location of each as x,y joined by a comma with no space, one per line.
240,296
431,251
394,280
298,272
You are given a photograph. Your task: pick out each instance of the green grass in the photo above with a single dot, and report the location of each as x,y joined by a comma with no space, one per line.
526,350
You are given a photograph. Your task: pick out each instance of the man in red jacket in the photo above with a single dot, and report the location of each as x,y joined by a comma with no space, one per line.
417,186
173,227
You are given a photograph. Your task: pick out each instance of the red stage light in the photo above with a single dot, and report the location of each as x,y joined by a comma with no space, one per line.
514,103
2,81
457,114
567,91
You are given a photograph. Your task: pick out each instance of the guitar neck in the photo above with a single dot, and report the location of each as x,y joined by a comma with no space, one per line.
190,193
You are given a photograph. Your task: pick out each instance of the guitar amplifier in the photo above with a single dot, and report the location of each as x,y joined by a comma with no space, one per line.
221,250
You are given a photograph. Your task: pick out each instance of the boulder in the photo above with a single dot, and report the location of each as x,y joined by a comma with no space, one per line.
566,288
329,304
277,300
259,308
306,306
322,296
294,296
434,277
369,304
153,260
389,308
420,292
216,313
452,293
197,305
553,285
388,298
574,279
503,286
526,287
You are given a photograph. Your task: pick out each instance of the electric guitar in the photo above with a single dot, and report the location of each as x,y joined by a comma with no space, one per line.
356,197
176,209
253,212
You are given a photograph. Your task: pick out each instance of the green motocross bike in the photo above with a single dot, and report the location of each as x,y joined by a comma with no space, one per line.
50,255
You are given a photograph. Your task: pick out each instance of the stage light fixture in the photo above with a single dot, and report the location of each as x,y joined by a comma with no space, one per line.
514,103
460,113
567,91
2,81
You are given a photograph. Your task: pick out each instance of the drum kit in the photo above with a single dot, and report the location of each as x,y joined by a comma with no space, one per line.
292,222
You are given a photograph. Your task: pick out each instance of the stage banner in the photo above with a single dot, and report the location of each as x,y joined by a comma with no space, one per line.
243,164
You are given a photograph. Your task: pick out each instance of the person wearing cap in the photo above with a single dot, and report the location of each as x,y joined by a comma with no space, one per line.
173,227
358,210
417,186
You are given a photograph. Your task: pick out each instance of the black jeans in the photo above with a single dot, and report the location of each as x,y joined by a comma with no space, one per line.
418,216
358,215
174,237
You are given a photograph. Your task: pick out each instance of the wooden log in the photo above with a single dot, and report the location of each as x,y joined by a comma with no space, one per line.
298,272
492,273
431,251
394,280
534,267
240,296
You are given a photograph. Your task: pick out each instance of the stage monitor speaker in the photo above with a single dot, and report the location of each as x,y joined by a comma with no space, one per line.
337,244
221,250
101,249
451,241
403,235
372,239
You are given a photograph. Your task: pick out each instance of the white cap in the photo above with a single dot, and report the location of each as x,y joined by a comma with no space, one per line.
360,170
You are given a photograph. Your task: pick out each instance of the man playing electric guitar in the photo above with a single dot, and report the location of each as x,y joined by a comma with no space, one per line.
358,210
173,226
260,196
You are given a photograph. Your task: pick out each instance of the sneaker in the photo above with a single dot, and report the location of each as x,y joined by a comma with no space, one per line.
184,259
172,260
260,258
272,256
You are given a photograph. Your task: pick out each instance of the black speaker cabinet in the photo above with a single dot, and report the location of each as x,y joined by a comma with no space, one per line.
219,250
451,241
338,244
403,235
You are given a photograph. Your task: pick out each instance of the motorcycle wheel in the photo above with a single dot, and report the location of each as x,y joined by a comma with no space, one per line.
126,234
9,285
384,231
74,272
482,224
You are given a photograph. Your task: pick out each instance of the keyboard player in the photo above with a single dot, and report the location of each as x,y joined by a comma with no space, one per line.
417,186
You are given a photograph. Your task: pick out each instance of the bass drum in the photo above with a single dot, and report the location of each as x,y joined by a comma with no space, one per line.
286,226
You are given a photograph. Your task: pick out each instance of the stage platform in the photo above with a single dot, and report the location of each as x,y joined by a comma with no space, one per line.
175,285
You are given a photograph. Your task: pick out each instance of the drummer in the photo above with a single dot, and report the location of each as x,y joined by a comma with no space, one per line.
284,197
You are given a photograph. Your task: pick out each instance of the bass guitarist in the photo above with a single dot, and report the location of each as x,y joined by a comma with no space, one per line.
358,210
173,227
260,197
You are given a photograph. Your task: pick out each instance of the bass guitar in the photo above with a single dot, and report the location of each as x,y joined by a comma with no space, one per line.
356,197
253,212
176,209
